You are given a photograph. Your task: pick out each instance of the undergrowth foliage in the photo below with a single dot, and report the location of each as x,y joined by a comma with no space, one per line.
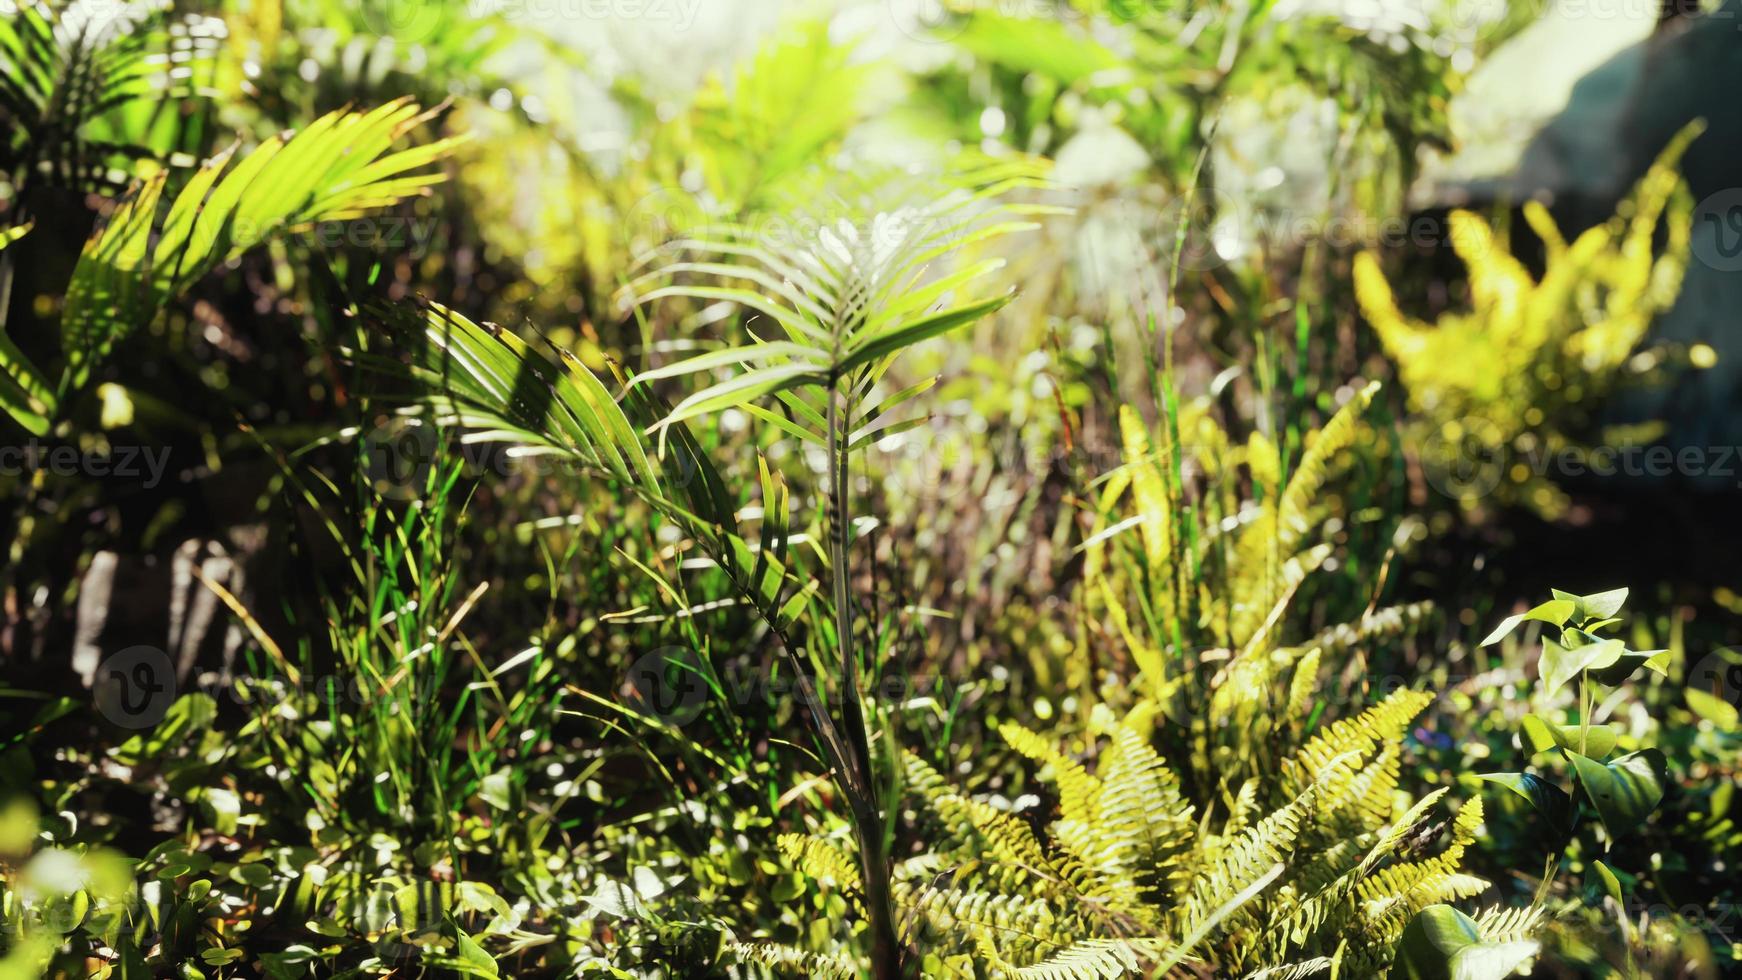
1321,865
861,511
1519,371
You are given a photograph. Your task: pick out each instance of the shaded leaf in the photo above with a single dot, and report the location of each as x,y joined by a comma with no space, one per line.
1625,791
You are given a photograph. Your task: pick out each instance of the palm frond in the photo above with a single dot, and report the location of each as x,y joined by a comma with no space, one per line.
88,87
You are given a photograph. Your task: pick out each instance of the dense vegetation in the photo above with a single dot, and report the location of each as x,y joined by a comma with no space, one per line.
977,490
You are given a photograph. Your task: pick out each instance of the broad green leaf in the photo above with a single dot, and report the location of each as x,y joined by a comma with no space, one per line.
422,907
1611,884
496,789
473,961
1616,673
1716,710
1555,612
1598,605
1625,791
1599,740
1550,800
1560,664
1441,943
616,899
223,807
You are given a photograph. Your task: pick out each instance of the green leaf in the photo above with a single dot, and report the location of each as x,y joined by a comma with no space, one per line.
1550,800
473,961
1616,673
1597,605
24,392
334,169
222,807
1611,884
616,899
14,233
1716,710
1599,740
728,357
1036,45
496,789
888,342
1625,791
1555,612
1441,943
1560,664
743,388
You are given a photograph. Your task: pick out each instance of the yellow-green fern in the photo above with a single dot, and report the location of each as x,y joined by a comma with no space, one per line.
1507,381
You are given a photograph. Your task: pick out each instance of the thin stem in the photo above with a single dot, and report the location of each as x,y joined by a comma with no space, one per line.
867,813
1584,711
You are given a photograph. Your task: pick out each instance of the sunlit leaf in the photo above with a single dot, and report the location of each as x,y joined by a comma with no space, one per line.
1625,791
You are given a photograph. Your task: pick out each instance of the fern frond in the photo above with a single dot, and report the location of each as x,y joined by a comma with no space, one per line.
1360,736
1008,850
1079,790
1509,925
790,959
1248,856
1303,687
1003,927
1144,825
1092,959
1315,466
1294,971
821,860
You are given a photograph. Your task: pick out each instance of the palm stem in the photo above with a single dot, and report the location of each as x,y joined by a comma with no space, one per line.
867,814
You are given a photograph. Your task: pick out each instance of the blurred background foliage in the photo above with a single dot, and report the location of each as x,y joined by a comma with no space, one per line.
1275,424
